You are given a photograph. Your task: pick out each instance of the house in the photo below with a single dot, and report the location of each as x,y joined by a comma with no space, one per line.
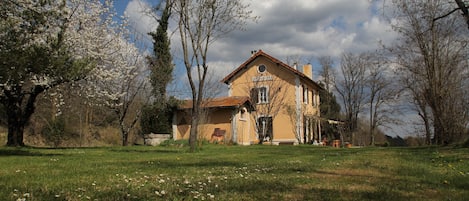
268,101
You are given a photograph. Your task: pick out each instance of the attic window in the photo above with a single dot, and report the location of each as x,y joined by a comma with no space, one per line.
261,68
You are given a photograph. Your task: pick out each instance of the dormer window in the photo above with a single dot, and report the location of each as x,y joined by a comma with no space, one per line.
261,68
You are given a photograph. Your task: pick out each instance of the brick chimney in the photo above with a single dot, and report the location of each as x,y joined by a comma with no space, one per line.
308,70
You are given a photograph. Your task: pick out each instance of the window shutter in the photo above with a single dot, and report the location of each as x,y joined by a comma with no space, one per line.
254,95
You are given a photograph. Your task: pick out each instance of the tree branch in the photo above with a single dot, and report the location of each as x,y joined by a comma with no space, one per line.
446,15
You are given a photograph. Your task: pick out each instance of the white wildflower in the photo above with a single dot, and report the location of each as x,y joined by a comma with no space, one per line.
210,196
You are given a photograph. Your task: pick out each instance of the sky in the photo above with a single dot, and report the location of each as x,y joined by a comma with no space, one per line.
300,28
305,29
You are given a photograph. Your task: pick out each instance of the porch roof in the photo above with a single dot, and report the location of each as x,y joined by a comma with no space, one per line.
220,102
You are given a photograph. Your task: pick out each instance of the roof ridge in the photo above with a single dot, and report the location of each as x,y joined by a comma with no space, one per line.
273,59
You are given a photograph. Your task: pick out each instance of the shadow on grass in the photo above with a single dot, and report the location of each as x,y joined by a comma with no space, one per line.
178,164
175,151
334,194
20,152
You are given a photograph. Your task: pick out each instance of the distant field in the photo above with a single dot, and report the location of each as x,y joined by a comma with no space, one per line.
219,172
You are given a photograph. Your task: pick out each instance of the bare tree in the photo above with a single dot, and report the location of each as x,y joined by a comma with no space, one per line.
461,5
381,93
213,89
200,23
351,89
433,54
293,60
413,89
464,9
327,72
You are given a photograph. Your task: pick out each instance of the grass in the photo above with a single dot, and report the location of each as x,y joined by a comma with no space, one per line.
219,172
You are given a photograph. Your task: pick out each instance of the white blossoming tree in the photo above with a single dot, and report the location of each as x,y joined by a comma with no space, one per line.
44,44
118,83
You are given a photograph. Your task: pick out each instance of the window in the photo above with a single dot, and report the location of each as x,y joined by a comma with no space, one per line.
261,68
243,113
260,95
315,101
305,94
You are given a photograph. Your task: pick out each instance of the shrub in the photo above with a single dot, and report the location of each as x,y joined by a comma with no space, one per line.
155,119
54,132
466,144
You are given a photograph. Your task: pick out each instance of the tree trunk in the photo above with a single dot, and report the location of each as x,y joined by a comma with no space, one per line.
125,138
194,124
15,124
193,131
15,135
19,112
372,119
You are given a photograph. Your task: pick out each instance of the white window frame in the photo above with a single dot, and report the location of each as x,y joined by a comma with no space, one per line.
262,99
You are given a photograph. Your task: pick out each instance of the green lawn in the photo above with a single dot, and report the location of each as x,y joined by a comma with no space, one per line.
219,172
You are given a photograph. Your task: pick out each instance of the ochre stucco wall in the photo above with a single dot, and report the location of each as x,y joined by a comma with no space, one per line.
217,118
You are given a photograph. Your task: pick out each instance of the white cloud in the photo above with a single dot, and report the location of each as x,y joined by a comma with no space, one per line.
306,28
138,12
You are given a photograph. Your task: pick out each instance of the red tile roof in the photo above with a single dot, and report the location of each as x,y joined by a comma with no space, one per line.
230,101
260,53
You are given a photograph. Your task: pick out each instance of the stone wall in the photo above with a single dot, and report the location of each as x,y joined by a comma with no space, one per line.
155,139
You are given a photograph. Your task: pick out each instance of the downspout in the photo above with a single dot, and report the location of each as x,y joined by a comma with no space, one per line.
318,101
